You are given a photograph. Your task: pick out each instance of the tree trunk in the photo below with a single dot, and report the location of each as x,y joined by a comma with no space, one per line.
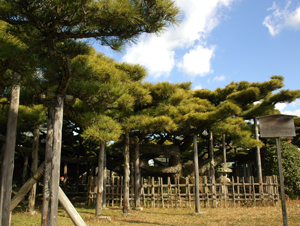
104,180
196,167
126,174
65,175
212,167
27,186
55,162
34,166
47,175
100,180
24,173
212,158
258,158
224,149
137,175
9,152
77,176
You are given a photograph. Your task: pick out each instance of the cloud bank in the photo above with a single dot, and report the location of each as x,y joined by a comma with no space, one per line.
281,18
182,47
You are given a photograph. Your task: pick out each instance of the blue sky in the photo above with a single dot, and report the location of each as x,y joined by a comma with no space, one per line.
219,41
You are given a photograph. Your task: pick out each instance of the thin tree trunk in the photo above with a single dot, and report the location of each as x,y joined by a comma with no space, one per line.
104,180
77,176
126,174
48,159
137,176
100,180
258,158
196,167
34,166
55,169
212,167
9,153
212,158
65,174
224,149
24,173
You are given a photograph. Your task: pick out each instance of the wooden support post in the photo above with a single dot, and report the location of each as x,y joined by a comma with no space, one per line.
9,153
137,176
196,168
100,180
258,157
281,179
162,192
27,186
34,166
69,208
55,169
126,174
47,174
212,167
104,180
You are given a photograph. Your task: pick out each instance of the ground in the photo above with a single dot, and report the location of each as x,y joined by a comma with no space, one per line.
264,215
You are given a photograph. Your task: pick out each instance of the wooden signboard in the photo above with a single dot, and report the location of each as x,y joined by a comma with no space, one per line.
277,126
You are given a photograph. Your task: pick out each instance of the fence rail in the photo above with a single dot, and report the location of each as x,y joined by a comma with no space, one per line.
155,192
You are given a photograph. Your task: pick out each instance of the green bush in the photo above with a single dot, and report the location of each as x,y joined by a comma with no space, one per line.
290,164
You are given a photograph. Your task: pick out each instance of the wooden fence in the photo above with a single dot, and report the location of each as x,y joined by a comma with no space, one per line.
158,193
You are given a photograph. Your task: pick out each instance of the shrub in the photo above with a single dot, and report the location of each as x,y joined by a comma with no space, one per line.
290,164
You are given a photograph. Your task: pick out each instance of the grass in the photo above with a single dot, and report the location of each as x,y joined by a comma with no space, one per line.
264,215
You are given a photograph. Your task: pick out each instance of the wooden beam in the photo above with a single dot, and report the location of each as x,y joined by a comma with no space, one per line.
27,186
69,208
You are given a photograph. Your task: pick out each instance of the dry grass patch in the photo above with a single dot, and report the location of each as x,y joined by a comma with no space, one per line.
265,215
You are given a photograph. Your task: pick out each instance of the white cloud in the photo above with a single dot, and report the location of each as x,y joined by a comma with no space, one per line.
295,103
280,106
197,87
282,18
296,112
158,55
197,61
290,108
219,78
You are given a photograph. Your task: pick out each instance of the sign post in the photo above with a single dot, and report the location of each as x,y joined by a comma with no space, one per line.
277,126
